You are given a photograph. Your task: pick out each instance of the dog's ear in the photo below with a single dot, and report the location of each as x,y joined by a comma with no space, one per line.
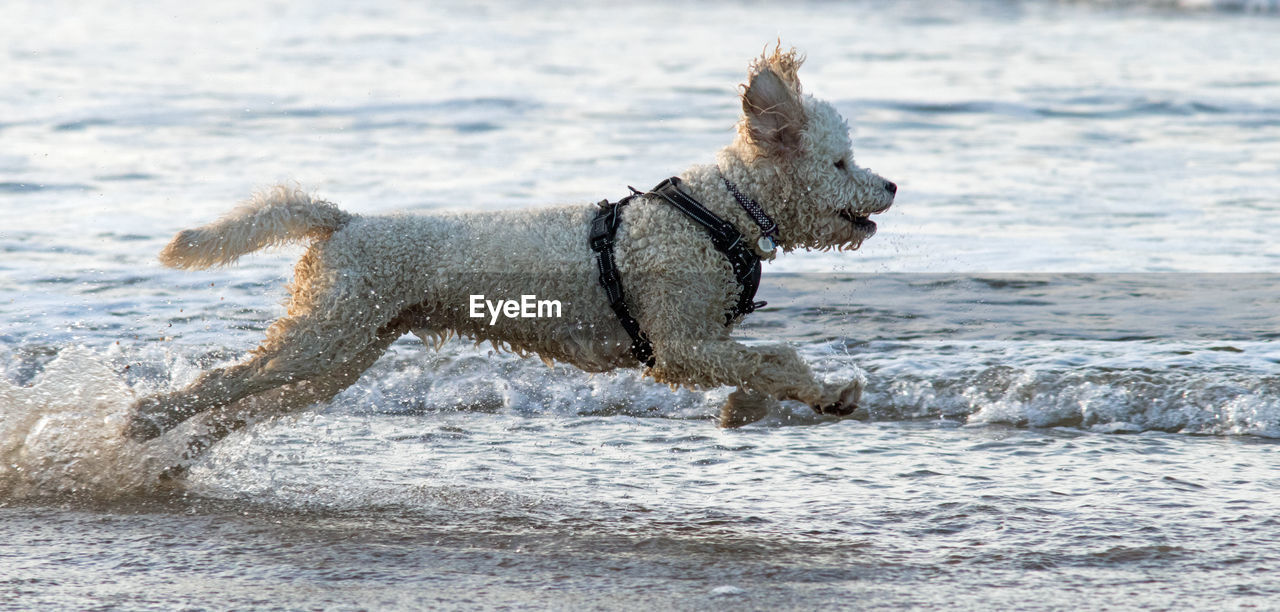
771,105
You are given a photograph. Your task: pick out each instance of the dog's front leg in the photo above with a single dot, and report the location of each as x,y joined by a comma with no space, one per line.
774,370
691,346
744,407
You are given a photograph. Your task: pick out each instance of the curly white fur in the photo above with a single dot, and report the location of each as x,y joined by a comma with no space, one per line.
272,217
365,281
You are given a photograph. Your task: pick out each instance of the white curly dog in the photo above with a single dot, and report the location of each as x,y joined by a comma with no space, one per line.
365,281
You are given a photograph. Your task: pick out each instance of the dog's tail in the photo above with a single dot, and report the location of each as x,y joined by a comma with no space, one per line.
276,216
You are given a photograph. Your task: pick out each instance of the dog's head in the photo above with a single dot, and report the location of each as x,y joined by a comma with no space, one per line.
794,155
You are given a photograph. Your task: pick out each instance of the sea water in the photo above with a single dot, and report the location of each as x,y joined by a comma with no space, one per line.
1067,321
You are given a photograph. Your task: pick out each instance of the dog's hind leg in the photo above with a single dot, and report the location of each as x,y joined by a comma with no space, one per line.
219,423
297,349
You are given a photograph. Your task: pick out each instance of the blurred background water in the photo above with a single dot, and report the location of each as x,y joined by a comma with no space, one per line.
1067,320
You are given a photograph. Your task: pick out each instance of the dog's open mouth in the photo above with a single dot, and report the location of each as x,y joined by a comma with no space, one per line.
859,221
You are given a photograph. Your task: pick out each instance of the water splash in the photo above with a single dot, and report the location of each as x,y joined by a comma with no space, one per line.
64,435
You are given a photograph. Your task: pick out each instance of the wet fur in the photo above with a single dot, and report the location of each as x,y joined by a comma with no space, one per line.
365,281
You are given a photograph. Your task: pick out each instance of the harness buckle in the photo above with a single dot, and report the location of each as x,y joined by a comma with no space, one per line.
601,234
601,243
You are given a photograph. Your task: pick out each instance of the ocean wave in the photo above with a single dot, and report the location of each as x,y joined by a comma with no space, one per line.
61,428
1101,401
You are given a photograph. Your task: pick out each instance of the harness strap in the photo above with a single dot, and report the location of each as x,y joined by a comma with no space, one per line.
768,227
604,227
724,236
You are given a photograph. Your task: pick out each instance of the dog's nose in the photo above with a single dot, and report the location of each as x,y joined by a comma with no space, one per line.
891,187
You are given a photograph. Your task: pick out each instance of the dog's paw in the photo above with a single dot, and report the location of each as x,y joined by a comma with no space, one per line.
745,407
144,423
152,416
840,400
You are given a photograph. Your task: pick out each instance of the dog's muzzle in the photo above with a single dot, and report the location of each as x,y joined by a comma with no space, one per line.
862,223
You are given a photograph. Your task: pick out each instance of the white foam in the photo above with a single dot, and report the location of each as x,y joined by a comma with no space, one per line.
65,434
1130,401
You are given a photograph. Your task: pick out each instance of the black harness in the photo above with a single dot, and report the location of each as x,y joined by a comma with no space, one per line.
724,237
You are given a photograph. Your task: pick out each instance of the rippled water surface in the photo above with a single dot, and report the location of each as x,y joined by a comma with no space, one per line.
1067,321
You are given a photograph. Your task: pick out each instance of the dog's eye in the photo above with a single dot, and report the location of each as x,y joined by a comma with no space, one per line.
840,163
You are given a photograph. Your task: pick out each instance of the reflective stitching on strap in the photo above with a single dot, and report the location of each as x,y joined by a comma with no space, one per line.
768,227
